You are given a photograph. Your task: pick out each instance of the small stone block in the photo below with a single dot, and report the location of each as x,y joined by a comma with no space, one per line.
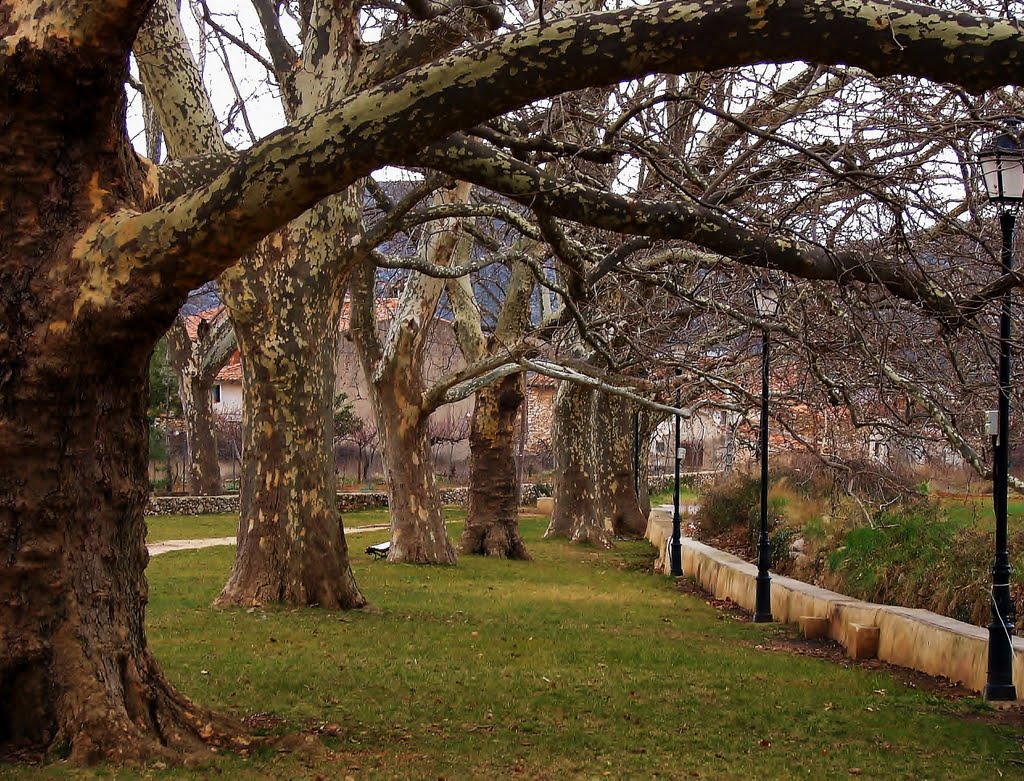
863,641
546,504
813,627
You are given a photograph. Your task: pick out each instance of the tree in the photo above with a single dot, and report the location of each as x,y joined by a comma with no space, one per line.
196,363
366,439
98,250
283,301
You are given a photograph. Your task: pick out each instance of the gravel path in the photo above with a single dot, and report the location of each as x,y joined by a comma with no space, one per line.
166,546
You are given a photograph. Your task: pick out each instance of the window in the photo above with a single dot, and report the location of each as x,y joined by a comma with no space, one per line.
216,394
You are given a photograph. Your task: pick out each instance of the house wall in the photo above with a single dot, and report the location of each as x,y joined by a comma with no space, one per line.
230,399
702,438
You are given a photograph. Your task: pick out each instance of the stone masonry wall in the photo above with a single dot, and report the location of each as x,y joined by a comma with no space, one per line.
347,502
350,502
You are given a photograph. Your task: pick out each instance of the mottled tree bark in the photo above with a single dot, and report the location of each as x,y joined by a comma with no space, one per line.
418,534
75,667
619,503
291,544
492,521
283,299
576,514
394,368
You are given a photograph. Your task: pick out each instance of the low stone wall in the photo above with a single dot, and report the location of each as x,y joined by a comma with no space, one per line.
918,639
192,505
347,501
351,501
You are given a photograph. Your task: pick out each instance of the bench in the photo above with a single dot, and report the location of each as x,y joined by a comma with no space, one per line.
380,550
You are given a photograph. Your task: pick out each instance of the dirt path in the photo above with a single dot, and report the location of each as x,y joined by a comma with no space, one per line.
166,546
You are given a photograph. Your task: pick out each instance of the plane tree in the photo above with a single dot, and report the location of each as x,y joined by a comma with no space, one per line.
98,250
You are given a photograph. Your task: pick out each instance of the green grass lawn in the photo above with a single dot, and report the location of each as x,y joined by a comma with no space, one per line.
978,511
192,527
579,664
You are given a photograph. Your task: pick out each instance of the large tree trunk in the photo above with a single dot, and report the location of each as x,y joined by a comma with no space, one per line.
75,667
194,390
492,522
291,544
418,534
614,439
576,514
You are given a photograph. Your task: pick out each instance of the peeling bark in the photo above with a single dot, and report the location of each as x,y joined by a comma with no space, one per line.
576,514
283,299
291,544
418,534
619,503
492,521
394,369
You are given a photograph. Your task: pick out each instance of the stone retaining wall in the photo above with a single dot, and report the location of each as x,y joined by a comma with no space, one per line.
347,502
918,639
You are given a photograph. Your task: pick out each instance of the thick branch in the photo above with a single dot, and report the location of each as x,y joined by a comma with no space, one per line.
686,220
199,235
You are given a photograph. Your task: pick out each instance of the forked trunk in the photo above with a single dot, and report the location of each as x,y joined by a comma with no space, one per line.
418,534
576,514
616,481
291,544
492,522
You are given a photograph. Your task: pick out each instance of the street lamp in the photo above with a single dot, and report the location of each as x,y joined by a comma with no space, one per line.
1002,168
675,551
767,300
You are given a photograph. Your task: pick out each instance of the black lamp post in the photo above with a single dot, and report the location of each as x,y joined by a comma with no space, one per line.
675,551
1002,167
766,301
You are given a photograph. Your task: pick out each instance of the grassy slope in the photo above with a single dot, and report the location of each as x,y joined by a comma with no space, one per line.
578,665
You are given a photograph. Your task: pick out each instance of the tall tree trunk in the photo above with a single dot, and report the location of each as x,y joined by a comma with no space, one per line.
291,544
284,298
576,513
492,521
75,342
614,438
418,534
194,390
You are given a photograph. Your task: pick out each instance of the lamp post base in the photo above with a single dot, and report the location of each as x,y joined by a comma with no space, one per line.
999,687
675,554
763,599
1001,693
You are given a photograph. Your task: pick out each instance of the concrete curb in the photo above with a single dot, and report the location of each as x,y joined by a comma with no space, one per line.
917,639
